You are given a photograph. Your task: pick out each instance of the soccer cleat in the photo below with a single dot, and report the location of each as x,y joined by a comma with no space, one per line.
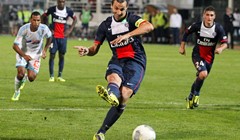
16,96
51,79
110,98
189,103
99,136
195,101
60,79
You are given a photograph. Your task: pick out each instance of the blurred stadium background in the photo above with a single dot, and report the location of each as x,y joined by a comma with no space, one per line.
189,9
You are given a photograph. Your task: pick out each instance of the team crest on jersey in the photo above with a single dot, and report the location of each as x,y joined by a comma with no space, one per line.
126,25
214,34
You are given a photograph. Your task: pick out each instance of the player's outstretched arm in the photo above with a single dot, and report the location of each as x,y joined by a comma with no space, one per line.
82,50
88,51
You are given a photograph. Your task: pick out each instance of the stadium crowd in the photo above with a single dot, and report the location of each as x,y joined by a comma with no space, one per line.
167,28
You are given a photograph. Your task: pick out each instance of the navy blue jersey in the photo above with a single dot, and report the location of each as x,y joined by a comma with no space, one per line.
132,47
206,39
59,19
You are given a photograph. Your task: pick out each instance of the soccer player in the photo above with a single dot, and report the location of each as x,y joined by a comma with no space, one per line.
208,34
60,14
127,66
28,45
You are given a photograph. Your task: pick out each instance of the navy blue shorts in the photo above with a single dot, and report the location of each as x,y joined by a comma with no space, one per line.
131,73
59,44
201,65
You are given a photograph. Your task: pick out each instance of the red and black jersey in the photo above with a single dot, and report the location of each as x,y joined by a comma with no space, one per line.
132,48
59,19
206,39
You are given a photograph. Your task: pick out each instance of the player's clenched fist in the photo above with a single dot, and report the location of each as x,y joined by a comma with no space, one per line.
82,50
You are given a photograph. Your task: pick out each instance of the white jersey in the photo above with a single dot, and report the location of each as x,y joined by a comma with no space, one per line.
31,42
175,20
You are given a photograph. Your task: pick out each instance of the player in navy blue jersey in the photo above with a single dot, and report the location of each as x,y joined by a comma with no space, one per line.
60,13
208,35
127,66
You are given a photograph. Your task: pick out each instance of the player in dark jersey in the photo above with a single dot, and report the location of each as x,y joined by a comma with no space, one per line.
127,66
60,14
208,34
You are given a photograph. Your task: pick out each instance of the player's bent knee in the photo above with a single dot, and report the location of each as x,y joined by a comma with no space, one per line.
126,93
31,78
203,75
20,76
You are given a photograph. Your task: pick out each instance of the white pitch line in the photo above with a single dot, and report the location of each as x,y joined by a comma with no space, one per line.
80,109
202,107
46,109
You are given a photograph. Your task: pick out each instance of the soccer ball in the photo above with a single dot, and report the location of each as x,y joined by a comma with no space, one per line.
143,132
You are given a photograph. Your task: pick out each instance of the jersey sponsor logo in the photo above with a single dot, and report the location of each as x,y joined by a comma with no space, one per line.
206,42
123,43
59,20
33,41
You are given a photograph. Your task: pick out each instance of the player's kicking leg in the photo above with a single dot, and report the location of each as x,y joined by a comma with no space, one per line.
110,98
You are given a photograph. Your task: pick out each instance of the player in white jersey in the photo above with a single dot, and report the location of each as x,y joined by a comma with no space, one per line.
28,45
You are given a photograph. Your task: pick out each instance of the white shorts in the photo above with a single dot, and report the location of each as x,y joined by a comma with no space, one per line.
33,64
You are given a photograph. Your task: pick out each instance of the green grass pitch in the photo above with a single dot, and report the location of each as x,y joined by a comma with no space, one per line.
73,110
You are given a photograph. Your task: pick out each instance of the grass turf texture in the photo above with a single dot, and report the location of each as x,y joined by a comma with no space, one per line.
73,110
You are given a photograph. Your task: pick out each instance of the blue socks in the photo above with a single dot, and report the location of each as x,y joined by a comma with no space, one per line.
196,87
112,116
114,88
